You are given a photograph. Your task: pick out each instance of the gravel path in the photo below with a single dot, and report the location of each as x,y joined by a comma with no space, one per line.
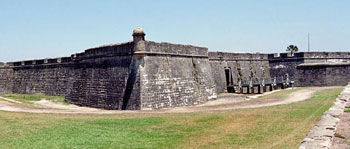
224,102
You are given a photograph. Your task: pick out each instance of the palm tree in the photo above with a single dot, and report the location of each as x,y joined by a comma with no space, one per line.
292,49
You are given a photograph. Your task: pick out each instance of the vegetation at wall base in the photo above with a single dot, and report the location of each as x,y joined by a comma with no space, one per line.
35,97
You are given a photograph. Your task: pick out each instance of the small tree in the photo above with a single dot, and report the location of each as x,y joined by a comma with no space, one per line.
292,49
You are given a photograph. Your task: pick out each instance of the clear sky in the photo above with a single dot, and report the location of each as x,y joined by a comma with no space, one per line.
31,29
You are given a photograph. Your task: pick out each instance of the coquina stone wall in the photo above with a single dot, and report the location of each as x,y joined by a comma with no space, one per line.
285,63
6,78
143,74
51,79
99,77
242,66
129,76
175,75
48,76
102,76
323,74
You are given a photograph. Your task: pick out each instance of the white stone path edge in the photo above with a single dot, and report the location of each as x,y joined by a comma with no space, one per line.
322,134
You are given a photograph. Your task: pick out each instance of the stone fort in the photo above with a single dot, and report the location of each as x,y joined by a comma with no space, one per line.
142,74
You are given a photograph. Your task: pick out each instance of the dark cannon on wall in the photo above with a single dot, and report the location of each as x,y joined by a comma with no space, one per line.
283,82
249,86
252,86
290,81
246,86
269,84
259,86
280,83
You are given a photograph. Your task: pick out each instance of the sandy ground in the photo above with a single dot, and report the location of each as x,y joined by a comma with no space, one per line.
224,102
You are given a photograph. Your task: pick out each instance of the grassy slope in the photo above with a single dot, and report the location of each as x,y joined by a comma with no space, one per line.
278,127
281,94
34,97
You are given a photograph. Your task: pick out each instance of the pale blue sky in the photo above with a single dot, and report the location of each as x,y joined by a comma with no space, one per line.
32,29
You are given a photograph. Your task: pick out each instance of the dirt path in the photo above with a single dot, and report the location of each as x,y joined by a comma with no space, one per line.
224,102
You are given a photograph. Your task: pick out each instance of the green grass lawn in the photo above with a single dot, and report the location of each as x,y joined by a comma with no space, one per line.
271,127
281,94
34,97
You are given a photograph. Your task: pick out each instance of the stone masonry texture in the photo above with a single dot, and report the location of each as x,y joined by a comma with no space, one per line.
323,74
242,66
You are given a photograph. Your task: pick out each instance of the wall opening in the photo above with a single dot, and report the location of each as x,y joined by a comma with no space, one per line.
229,81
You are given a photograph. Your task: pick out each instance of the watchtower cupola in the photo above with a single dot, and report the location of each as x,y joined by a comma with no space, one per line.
138,34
